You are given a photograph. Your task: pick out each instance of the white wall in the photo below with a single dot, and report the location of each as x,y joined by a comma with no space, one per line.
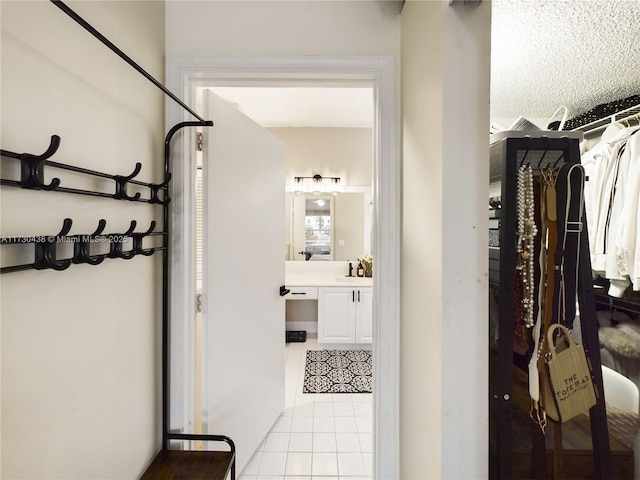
422,273
349,27
445,101
80,348
331,152
465,309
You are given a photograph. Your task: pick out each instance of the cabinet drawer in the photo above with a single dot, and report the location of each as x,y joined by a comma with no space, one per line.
302,293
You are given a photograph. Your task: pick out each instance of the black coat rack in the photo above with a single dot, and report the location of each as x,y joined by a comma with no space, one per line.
539,152
124,245
32,177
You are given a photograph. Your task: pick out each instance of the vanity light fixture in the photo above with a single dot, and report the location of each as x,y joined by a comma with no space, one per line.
317,185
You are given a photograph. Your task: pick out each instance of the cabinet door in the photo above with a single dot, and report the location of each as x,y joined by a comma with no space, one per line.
336,312
364,315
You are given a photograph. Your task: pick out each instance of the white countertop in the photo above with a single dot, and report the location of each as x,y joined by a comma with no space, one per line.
323,274
326,280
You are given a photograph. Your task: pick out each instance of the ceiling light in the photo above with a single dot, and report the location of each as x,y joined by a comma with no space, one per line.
317,185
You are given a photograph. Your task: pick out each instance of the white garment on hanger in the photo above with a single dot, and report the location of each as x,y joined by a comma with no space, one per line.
595,162
628,245
619,280
603,182
611,206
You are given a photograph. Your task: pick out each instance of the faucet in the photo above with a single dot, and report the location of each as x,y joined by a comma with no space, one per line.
350,270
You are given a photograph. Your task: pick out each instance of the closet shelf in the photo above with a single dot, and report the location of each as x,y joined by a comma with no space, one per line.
631,114
496,137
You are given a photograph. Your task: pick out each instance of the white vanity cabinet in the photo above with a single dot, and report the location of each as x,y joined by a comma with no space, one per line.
345,315
364,315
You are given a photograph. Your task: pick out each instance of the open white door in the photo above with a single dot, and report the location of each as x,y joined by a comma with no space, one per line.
244,321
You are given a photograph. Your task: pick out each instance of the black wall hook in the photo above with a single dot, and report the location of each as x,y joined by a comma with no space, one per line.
32,176
32,168
121,184
117,243
45,250
82,246
155,191
137,241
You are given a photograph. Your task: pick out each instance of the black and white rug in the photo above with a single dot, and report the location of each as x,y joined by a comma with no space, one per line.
338,371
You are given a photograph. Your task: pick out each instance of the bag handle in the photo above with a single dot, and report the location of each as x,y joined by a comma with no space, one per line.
551,344
564,116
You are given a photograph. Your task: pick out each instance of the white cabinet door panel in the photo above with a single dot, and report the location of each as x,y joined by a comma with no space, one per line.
345,315
364,315
336,309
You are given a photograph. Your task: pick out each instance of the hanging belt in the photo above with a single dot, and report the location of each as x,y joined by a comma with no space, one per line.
546,310
550,285
555,204
570,188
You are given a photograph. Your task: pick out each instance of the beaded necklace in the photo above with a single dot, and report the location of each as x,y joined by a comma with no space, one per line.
526,234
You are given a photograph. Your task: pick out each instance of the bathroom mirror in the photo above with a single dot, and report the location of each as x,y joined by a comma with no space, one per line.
313,234
327,227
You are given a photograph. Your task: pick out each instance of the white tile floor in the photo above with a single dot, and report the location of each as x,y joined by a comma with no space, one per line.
318,436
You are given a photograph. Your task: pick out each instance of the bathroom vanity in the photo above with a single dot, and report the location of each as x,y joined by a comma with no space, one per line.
342,305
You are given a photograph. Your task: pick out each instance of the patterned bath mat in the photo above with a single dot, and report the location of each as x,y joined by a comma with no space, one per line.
338,371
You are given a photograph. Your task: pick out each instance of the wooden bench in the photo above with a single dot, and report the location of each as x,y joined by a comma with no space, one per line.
193,465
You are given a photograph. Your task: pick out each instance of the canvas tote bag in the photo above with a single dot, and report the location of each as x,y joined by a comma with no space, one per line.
568,385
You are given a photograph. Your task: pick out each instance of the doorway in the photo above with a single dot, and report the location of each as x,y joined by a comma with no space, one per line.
186,74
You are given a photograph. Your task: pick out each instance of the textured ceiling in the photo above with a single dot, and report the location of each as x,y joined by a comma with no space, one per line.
578,53
544,54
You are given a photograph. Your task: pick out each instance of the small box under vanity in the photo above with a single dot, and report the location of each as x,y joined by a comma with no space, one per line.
296,336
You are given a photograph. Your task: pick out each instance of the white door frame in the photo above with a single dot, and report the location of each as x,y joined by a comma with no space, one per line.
184,75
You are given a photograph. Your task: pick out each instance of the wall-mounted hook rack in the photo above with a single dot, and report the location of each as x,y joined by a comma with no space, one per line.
32,170
45,246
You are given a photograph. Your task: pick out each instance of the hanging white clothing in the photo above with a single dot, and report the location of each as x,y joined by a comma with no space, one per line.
595,162
628,247
611,205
